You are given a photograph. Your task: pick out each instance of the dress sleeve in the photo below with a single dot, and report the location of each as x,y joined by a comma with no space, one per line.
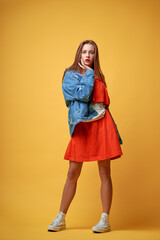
100,93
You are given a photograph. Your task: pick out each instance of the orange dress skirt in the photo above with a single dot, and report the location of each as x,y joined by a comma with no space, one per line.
97,140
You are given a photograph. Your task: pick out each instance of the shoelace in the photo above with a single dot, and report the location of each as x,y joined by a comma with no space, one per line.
57,219
102,224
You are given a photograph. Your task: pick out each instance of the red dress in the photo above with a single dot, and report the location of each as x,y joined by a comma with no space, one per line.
97,140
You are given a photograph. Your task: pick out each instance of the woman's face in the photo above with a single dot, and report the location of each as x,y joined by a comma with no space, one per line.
87,54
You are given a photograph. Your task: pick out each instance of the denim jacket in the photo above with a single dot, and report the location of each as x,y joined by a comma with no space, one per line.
77,90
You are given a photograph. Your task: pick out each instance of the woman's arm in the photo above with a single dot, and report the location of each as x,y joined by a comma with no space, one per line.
74,89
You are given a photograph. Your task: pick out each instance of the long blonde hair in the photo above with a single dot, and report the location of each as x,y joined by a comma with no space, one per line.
95,66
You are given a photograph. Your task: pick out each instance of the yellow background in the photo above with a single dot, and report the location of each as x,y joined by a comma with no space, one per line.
39,40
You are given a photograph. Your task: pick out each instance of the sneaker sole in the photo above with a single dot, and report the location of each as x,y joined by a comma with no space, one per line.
99,230
56,229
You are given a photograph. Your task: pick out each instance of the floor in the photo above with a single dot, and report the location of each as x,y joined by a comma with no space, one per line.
14,232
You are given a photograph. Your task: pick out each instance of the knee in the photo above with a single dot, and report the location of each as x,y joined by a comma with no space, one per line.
105,174
73,174
104,171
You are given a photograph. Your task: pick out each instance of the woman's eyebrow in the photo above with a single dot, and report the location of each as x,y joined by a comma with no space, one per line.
89,50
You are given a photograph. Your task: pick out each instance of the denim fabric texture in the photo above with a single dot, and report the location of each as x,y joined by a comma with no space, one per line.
77,90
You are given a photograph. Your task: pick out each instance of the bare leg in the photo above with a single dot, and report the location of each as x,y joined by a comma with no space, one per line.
106,184
70,185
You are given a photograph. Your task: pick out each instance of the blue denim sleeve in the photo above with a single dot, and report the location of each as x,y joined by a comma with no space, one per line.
75,89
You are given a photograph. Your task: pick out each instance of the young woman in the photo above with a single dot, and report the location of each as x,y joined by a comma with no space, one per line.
94,134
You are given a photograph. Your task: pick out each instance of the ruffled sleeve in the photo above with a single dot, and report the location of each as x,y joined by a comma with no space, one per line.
100,93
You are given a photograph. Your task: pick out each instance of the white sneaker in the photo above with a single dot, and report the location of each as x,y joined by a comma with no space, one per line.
103,225
58,223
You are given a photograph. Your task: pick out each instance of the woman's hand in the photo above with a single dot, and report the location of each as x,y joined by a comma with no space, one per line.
82,65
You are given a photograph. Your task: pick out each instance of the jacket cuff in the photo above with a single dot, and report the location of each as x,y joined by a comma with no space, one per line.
89,71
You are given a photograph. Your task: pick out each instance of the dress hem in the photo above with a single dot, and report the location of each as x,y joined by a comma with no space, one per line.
95,159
